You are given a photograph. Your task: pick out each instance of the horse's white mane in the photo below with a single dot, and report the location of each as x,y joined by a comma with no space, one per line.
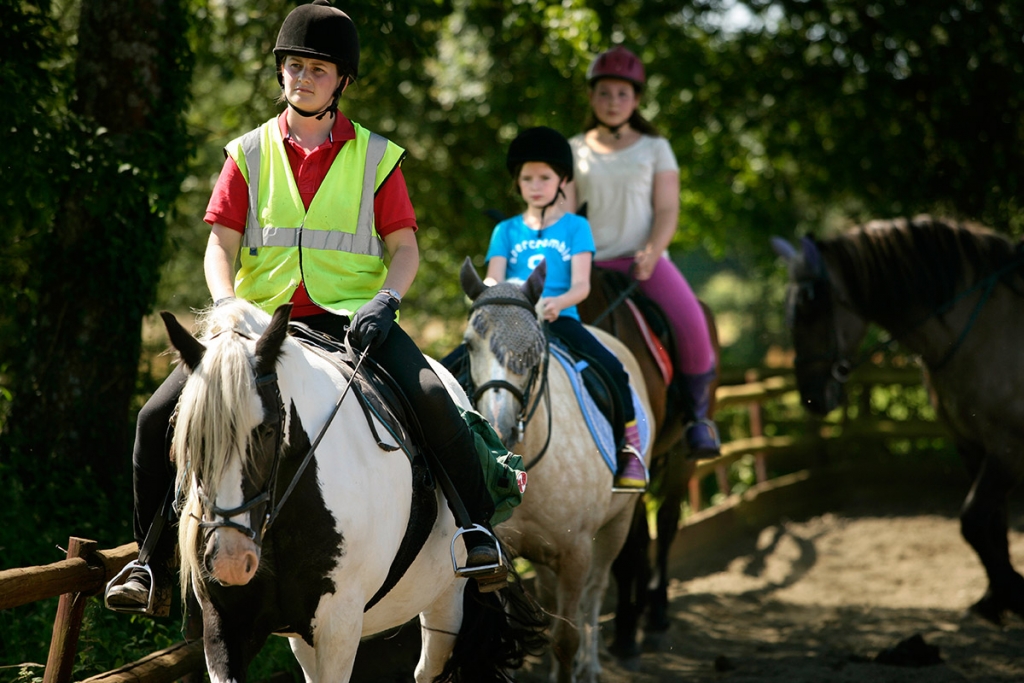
207,430
238,315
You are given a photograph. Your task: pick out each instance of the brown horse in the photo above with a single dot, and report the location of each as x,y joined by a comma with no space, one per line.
670,466
954,295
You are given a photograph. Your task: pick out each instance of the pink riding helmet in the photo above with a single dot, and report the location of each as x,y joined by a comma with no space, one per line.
617,62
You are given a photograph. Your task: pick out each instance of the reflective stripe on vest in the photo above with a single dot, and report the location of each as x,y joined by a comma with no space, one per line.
363,241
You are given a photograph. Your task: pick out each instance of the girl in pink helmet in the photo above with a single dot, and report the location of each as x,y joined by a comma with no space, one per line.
627,184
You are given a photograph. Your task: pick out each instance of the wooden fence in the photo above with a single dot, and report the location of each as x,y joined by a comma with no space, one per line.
86,570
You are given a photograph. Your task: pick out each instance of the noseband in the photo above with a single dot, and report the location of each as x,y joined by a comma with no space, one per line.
817,291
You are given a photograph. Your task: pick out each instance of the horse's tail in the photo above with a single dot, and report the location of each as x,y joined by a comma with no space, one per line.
499,630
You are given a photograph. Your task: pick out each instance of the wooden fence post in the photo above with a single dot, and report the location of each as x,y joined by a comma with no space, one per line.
68,624
756,428
694,487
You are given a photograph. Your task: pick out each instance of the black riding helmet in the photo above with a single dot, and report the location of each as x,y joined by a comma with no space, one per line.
542,144
320,31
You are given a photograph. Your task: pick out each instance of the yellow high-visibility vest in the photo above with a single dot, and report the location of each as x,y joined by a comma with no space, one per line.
333,247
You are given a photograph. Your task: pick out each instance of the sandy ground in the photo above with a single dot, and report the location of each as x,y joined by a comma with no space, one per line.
817,600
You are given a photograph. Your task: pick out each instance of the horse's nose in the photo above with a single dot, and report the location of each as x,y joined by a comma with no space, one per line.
236,561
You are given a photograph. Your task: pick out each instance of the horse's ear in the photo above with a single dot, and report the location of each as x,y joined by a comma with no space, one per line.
190,348
470,280
534,285
268,346
785,249
812,255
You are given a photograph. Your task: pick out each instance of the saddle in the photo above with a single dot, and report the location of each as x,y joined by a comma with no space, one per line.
381,397
656,331
598,385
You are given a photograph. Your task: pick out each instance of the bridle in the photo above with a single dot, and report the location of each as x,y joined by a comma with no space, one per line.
817,291
270,395
820,286
536,383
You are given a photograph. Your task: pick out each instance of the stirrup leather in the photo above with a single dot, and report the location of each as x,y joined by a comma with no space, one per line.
120,578
489,577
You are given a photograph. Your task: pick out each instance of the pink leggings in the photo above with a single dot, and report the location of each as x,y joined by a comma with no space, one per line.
669,289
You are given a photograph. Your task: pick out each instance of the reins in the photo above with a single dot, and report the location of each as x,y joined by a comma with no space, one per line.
626,292
271,516
623,295
266,383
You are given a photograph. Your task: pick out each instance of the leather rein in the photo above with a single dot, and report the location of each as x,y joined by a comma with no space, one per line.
270,394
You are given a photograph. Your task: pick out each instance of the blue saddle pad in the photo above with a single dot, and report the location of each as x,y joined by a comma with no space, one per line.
599,426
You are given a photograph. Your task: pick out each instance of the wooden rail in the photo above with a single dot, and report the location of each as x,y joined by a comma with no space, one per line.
83,574
755,392
87,570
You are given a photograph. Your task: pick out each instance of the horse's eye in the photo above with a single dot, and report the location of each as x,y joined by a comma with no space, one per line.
265,434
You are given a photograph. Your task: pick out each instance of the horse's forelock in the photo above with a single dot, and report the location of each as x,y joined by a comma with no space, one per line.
236,315
212,404
516,338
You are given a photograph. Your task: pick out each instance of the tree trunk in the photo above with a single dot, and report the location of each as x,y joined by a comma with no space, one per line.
96,268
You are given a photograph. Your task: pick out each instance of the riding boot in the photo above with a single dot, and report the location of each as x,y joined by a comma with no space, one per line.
152,479
701,434
630,475
153,574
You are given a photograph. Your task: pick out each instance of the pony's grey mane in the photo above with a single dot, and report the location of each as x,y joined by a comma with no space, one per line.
206,428
517,340
888,266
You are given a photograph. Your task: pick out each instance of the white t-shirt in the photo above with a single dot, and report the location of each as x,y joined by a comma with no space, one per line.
618,188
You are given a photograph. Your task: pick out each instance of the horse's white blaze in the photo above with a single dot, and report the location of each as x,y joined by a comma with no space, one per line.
234,557
498,405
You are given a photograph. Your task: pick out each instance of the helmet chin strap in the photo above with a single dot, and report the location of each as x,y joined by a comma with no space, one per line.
547,206
331,108
614,130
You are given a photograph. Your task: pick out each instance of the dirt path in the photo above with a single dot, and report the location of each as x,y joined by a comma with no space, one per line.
816,600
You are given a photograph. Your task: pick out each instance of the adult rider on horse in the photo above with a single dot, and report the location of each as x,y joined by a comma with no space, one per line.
310,183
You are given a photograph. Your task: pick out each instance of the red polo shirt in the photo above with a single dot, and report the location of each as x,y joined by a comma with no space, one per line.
229,203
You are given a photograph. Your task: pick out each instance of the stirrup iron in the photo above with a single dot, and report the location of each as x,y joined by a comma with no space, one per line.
119,580
489,577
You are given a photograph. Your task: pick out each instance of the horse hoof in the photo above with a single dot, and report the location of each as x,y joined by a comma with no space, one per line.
624,650
987,610
657,641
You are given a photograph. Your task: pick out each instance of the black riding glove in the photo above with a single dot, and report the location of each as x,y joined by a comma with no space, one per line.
373,321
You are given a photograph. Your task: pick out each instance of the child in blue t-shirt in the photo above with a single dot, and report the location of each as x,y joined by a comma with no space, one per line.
541,162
